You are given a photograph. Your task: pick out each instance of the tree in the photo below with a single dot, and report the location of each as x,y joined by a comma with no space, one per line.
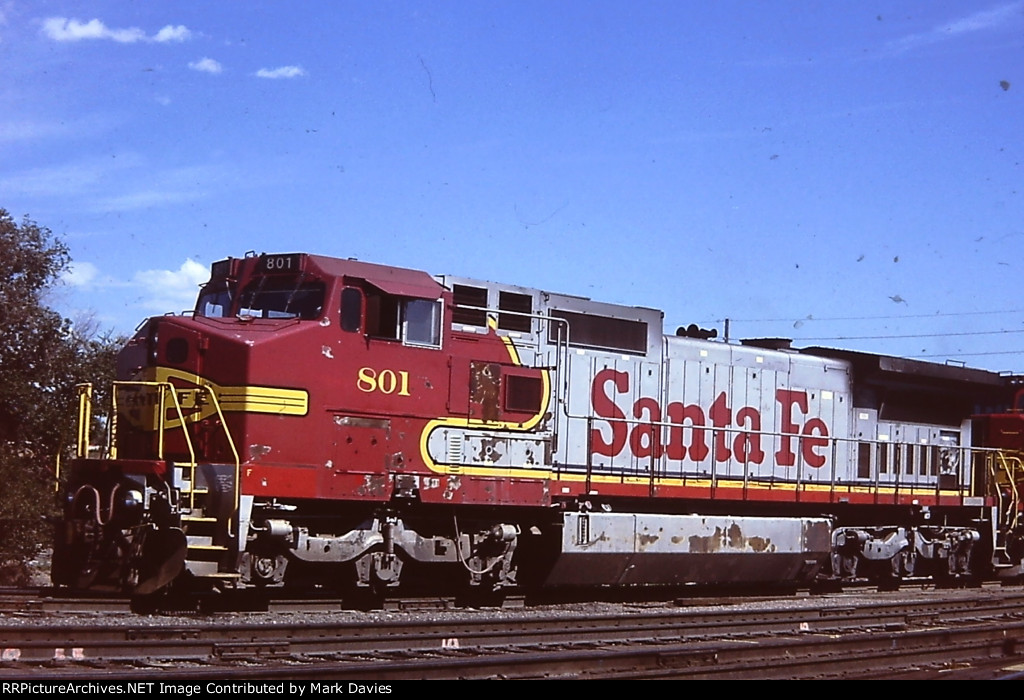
42,359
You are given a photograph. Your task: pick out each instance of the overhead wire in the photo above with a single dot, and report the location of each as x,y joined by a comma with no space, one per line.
911,335
811,317
898,336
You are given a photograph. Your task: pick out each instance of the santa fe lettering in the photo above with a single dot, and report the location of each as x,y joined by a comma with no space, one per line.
689,424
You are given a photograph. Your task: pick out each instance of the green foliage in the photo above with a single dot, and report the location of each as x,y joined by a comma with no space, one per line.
42,359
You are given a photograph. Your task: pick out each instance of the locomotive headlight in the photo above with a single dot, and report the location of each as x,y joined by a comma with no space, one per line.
128,509
132,499
153,343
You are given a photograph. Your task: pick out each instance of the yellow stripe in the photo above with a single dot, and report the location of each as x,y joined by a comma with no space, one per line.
261,399
678,482
245,399
477,424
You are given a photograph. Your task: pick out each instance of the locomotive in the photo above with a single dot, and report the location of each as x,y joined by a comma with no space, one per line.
349,426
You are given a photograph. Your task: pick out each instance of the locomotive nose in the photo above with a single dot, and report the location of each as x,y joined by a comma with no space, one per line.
163,341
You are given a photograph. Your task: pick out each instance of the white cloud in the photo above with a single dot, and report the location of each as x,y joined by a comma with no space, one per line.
94,297
70,178
206,65
80,177
80,274
64,29
175,33
11,132
88,124
986,20
124,183
171,290
145,199
282,72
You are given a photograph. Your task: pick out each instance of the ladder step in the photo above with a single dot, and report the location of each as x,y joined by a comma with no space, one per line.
208,547
198,519
224,575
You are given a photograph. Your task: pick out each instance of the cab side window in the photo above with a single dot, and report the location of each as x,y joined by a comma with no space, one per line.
410,320
351,310
421,322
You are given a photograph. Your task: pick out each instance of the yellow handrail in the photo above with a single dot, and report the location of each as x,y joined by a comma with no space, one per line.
84,419
164,388
1013,468
231,443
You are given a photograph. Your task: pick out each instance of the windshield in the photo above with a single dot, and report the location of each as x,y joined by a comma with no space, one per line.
282,297
214,299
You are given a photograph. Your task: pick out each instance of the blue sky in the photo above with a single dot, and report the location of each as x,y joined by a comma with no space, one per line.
847,174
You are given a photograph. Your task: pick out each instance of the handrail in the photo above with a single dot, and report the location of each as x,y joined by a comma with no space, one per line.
208,390
84,419
164,388
82,429
1012,467
963,456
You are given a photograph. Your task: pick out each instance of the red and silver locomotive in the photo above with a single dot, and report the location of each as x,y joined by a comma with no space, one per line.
330,422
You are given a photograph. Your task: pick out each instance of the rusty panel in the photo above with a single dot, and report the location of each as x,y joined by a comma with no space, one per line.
359,443
485,390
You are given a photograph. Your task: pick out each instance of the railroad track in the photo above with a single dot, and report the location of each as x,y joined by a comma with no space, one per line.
837,636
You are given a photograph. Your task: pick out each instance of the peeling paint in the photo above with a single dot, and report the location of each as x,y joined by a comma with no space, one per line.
484,382
325,321
327,352
492,449
258,451
376,485
707,544
359,422
543,425
329,464
736,538
453,485
645,538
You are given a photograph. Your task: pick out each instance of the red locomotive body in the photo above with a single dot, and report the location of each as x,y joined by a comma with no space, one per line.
345,424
